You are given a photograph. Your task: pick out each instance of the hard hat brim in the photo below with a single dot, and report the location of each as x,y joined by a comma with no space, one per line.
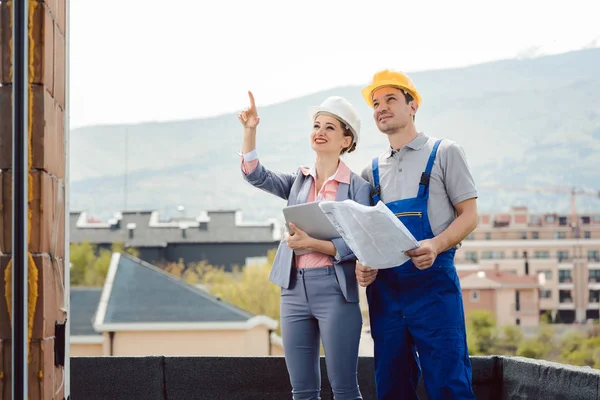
367,92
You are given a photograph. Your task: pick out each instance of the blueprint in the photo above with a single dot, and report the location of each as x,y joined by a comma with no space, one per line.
375,235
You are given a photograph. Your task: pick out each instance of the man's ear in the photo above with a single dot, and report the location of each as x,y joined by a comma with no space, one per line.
414,106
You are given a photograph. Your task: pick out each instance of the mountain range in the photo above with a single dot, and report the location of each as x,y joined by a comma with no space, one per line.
521,122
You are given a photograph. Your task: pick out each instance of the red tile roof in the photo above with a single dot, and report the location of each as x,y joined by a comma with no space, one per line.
503,277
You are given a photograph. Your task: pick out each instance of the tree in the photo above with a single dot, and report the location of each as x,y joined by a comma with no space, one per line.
547,337
248,288
546,317
531,348
82,257
89,265
572,351
508,341
481,332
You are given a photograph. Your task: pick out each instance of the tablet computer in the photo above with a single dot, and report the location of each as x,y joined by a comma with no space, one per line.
310,218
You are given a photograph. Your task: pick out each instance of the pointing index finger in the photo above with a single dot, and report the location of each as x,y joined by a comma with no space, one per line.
251,96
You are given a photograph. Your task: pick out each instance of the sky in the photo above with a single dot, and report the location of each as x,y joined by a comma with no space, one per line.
143,61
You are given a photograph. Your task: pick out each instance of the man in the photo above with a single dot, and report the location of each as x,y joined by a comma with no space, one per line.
416,309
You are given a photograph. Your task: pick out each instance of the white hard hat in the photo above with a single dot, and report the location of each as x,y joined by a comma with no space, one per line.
340,108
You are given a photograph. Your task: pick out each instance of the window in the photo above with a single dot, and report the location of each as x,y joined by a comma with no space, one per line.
545,294
515,254
536,235
547,273
594,276
474,296
562,221
564,276
550,219
585,220
471,256
593,255
562,255
470,236
587,235
541,254
564,296
488,236
596,218
594,296
560,235
492,255
523,235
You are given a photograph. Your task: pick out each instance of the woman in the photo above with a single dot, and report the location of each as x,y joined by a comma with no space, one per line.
319,296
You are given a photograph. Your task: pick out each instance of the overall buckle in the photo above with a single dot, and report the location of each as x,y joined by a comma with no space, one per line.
376,191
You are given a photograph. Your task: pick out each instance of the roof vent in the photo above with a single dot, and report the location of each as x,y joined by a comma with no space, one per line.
184,226
131,227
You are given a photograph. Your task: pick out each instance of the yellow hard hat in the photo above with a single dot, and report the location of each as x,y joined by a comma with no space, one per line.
389,77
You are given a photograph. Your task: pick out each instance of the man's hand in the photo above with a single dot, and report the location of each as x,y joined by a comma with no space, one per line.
298,239
424,256
365,275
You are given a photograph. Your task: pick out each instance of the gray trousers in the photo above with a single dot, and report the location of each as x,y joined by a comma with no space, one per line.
313,308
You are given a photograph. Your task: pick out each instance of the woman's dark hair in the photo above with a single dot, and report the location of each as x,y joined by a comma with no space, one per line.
348,132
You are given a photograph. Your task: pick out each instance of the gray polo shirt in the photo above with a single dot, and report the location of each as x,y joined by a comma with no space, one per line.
451,181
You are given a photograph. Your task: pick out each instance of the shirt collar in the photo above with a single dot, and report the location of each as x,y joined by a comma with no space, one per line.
416,144
342,175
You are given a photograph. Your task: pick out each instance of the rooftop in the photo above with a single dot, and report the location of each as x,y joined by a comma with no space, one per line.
137,295
147,229
84,302
496,279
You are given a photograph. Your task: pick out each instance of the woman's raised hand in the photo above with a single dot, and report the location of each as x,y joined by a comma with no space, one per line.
249,117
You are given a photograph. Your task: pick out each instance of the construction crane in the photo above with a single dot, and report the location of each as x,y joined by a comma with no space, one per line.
574,192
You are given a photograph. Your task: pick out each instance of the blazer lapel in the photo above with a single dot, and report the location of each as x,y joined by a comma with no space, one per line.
304,190
342,192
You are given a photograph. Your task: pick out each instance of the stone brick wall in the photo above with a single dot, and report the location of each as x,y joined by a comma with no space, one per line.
47,78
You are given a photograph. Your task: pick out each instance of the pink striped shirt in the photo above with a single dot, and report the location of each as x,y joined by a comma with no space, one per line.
328,192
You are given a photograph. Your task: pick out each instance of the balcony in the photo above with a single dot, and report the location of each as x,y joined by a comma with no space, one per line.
565,280
594,284
265,378
524,310
593,303
566,303
565,263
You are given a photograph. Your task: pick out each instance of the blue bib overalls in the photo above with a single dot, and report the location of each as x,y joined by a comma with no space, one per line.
417,317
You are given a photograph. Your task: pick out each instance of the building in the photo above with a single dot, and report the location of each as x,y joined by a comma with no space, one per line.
221,238
512,299
142,311
564,249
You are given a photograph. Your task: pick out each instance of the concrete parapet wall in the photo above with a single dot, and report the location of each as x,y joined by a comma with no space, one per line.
266,378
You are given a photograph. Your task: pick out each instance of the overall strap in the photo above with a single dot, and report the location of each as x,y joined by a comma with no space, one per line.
376,191
425,176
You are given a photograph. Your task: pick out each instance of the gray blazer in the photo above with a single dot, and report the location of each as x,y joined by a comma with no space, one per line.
295,189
